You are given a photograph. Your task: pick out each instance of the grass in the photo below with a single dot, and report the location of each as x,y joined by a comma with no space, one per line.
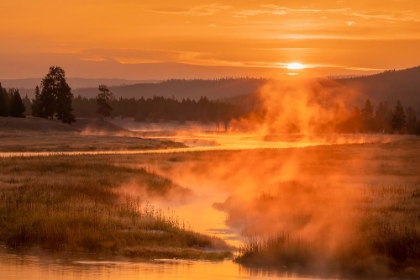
385,241
351,210
77,204
41,135
340,209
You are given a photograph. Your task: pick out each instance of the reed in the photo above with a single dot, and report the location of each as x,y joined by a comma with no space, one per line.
74,204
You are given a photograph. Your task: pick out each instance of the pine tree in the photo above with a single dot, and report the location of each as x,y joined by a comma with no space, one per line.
367,116
4,102
379,118
56,96
64,107
28,105
411,120
398,118
367,111
36,104
17,108
103,99
355,120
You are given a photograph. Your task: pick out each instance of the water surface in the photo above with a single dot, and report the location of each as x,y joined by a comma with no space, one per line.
38,265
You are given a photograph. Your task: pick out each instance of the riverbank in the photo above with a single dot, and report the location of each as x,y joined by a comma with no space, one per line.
86,135
82,204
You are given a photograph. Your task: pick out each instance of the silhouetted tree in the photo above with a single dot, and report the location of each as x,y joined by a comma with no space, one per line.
56,96
411,120
379,118
103,99
398,118
355,121
367,111
383,118
28,105
4,102
36,104
17,108
367,116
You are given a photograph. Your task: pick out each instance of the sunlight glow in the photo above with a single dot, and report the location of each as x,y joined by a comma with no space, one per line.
295,66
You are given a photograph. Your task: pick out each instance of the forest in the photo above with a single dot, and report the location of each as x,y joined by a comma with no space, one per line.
54,99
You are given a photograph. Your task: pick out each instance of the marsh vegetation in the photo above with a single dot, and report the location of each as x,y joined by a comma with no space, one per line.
349,209
77,204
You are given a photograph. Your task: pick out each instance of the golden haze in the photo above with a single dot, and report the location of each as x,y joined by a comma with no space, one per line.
206,39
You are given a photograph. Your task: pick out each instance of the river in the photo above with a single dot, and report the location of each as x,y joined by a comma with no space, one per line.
40,265
37,264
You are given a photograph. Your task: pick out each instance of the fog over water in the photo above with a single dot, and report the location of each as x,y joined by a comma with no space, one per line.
38,265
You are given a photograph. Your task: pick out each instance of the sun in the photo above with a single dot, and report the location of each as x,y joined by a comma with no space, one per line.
295,66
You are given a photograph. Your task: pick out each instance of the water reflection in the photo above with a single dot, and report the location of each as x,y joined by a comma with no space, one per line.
40,265
198,147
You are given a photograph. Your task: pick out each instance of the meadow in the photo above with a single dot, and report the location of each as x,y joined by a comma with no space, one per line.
339,209
75,204
351,209
41,135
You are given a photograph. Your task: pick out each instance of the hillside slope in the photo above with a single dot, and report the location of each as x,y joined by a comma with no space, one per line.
390,86
193,89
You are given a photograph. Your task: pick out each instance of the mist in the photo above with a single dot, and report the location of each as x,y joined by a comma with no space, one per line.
321,191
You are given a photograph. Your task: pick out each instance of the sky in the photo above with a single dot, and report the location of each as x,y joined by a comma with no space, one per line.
138,39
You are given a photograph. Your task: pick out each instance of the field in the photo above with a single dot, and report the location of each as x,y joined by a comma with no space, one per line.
77,204
347,209
41,135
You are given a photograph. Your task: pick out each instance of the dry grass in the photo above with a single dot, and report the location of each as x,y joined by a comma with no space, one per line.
384,240
74,204
352,209
41,135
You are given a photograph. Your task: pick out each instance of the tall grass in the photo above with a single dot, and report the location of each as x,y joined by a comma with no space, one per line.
386,239
74,204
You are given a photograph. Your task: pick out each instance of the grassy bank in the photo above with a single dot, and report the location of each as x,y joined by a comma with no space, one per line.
332,209
384,238
41,135
347,210
77,204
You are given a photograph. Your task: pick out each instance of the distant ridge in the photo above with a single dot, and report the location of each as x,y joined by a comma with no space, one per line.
390,86
179,89
31,83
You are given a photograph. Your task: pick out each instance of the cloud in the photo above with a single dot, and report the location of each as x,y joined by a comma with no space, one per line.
281,10
93,59
138,56
272,9
403,16
201,10
365,69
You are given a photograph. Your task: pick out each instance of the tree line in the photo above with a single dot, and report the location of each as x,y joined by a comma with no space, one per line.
11,103
384,119
54,99
159,109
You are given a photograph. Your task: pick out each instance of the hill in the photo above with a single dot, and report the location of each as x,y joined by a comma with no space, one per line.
27,86
193,89
390,86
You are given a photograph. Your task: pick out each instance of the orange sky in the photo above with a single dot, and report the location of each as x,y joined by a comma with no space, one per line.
162,39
